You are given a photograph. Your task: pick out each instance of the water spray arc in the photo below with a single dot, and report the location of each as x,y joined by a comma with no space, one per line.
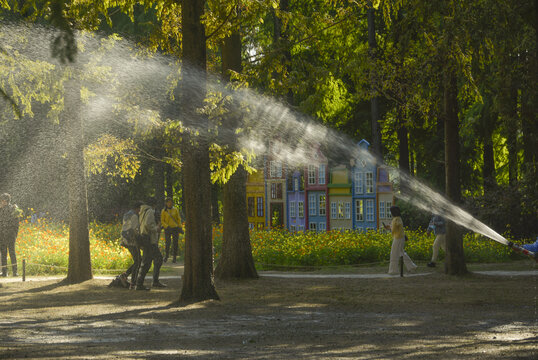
141,92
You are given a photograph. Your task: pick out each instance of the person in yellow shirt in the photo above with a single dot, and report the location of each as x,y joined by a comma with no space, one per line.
398,243
171,223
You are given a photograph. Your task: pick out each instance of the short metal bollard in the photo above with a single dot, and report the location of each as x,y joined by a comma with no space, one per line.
23,269
401,266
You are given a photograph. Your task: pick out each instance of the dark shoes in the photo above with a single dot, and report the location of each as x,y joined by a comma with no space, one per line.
141,287
158,284
431,264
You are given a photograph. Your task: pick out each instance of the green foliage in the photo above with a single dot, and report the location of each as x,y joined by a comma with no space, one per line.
45,247
114,157
334,248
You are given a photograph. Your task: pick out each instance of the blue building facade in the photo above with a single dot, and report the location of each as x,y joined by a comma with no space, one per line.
363,188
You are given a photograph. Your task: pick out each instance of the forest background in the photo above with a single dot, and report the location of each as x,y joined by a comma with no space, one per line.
387,71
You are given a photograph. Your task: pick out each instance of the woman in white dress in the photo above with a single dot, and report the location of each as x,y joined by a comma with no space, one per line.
398,243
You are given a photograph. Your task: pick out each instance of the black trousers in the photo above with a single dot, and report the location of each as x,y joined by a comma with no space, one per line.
133,269
8,245
171,236
150,253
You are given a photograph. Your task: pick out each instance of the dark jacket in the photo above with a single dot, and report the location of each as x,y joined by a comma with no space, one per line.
9,222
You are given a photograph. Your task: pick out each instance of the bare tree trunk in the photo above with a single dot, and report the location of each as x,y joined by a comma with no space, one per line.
403,147
198,281
455,259
374,102
80,267
158,180
236,260
488,171
169,177
215,212
281,42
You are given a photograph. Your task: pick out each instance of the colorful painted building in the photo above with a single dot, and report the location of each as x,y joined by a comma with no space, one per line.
316,175
364,172
385,197
256,200
315,197
296,200
340,199
275,193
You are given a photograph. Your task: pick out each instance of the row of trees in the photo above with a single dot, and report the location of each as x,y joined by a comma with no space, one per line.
409,76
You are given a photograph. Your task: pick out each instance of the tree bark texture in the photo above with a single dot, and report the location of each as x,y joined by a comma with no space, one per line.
158,173
198,281
215,211
455,259
374,102
236,259
79,268
488,170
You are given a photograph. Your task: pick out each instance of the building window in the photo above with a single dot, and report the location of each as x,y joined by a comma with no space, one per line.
301,227
369,210
276,191
322,204
250,206
259,206
312,205
359,182
251,226
293,228
340,209
387,210
312,226
381,210
359,210
311,174
322,226
321,174
369,182
296,184
293,212
300,205
275,169
333,210
261,226
348,210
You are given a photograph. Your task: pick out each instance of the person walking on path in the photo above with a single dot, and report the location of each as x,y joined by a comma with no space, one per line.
398,243
149,235
438,227
171,223
9,229
129,239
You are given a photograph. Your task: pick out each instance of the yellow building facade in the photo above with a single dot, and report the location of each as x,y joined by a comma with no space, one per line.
256,200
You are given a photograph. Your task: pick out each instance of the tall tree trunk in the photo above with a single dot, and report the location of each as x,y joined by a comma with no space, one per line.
488,171
281,42
198,281
403,143
169,177
374,102
158,181
236,260
215,212
511,138
438,167
80,267
455,259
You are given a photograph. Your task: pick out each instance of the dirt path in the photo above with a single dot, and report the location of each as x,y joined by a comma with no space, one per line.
420,317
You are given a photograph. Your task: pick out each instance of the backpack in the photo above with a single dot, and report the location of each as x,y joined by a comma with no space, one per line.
119,281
